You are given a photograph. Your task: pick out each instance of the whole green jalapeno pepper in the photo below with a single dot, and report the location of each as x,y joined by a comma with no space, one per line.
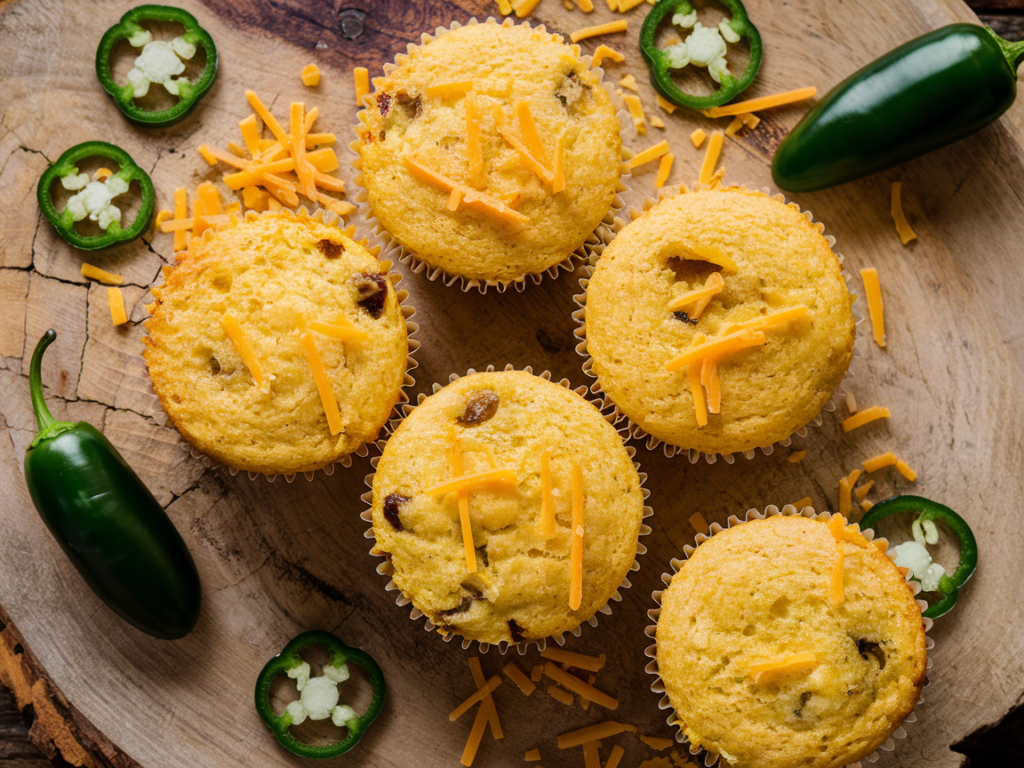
160,62
928,93
107,521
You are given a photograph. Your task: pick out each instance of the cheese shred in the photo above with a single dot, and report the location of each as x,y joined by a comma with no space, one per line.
711,155
576,549
866,416
600,29
896,208
873,294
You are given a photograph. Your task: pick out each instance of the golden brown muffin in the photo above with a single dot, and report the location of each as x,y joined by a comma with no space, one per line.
759,593
508,66
273,274
521,587
771,259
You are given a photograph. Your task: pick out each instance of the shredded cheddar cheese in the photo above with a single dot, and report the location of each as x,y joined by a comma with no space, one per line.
656,121
604,52
311,75
474,148
577,660
323,384
628,5
665,104
711,155
116,300
585,5
873,294
524,7
629,82
361,78
767,321
560,694
719,346
476,735
488,701
651,153
558,182
532,756
876,463
95,273
733,128
796,456
465,706
615,757
597,732
896,208
699,524
636,111
180,212
517,676
576,547
546,528
591,758
697,137
904,469
464,521
761,103
866,416
804,502
866,505
102,173
844,496
796,662
712,287
471,198
537,673
600,29
863,490
656,743
448,90
700,405
237,336
531,136
664,168
500,477
577,686
504,7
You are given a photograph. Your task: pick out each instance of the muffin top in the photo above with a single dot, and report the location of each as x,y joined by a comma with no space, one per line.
742,617
520,87
521,586
271,275
767,258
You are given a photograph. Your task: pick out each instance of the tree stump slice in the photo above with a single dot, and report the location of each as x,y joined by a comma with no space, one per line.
280,558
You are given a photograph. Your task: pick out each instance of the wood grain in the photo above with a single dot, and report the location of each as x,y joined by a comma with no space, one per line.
280,558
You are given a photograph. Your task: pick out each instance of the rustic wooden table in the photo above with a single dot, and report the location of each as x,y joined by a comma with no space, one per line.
1002,745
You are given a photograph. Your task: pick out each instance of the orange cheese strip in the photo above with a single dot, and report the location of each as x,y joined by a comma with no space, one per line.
340,207
629,82
636,111
628,5
656,743
558,180
600,29
559,694
449,90
211,198
836,594
323,160
597,732
464,521
711,155
877,462
302,169
102,173
853,476
866,505
546,528
268,119
342,333
250,134
255,198
797,662
524,7
734,127
473,199
700,406
180,212
804,502
577,660
837,524
719,346
796,457
528,128
604,52
476,734
700,525
615,757
873,294
665,104
329,183
323,384
116,301
501,477
273,204
762,103
474,148
712,287
844,497
95,273
532,756
651,153
698,136
905,470
577,686
866,416
517,676
162,216
235,150
361,78
767,321
863,490
310,75
896,208
532,164
714,385
576,547
198,212
237,336
464,707
585,5
664,169
591,759
488,700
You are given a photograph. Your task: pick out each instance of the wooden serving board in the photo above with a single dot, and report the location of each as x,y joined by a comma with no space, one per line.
280,558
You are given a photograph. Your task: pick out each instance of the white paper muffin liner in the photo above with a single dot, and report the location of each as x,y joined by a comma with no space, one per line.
375,247
396,251
658,686
635,431
386,569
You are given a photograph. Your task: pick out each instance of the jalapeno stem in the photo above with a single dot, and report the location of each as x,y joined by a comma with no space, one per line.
44,418
1013,52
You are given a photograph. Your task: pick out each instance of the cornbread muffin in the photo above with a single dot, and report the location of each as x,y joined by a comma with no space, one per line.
506,66
771,259
761,592
523,579
272,274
